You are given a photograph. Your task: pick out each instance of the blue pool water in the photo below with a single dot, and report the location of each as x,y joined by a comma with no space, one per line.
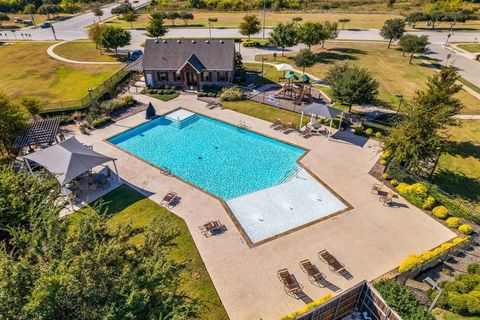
217,157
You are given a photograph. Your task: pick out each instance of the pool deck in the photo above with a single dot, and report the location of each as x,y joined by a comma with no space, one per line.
370,239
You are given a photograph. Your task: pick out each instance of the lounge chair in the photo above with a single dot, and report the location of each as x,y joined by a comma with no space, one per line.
290,284
170,200
388,199
332,262
312,271
377,187
277,125
211,227
307,132
288,128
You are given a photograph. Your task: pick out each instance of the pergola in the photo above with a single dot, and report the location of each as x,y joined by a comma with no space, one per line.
324,111
38,132
69,159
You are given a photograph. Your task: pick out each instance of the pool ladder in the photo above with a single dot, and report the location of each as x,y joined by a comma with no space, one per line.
289,176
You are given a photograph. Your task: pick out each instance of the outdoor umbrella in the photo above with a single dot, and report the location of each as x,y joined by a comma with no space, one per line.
284,67
292,76
305,78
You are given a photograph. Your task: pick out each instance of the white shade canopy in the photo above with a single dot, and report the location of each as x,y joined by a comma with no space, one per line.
284,67
322,110
68,159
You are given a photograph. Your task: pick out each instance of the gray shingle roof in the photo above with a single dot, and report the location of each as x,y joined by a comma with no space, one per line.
212,54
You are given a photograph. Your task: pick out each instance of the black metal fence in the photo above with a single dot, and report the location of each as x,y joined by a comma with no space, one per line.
361,298
85,102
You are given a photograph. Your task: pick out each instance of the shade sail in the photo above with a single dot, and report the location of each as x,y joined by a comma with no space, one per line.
322,110
292,77
305,77
68,159
284,67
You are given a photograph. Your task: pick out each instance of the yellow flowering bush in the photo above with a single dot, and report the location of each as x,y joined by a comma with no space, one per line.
385,175
307,307
385,154
394,182
453,222
419,189
465,229
441,212
403,188
428,203
383,162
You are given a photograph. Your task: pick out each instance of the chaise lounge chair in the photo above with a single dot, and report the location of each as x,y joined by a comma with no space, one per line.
377,187
291,286
170,200
314,275
288,128
211,228
332,262
388,199
277,125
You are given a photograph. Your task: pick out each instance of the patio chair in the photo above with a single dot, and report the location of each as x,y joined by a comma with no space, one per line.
170,200
314,275
210,228
388,199
307,132
377,187
277,125
332,262
288,128
290,284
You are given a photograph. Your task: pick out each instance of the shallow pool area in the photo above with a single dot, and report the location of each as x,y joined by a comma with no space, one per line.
258,177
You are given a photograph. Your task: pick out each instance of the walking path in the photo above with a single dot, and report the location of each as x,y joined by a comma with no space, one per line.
52,54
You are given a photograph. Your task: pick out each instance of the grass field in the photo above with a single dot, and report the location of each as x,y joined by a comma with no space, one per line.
39,19
388,66
447,315
84,51
470,47
27,69
126,205
458,172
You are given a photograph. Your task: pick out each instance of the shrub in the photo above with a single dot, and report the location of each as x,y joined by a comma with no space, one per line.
441,212
231,94
100,121
129,99
429,203
466,229
307,308
251,43
385,176
378,135
415,193
453,222
369,132
383,162
394,182
385,154
358,130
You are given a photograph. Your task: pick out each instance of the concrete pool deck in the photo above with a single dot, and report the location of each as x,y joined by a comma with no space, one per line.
370,239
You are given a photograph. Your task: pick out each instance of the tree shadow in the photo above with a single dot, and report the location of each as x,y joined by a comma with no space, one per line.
337,54
458,184
464,149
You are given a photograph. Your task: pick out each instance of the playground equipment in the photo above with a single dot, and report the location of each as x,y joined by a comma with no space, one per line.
296,91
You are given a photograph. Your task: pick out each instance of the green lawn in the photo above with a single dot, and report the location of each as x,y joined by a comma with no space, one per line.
390,68
165,97
270,73
27,69
126,205
470,47
84,51
441,314
264,112
458,172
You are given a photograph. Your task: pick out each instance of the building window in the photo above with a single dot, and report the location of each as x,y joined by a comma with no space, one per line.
206,76
163,76
222,76
178,77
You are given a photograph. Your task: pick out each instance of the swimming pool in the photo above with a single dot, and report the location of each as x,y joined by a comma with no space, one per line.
258,177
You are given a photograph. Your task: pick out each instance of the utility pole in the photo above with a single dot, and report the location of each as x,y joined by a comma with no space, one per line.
264,9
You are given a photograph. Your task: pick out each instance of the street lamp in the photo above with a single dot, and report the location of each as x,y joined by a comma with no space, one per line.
264,8
399,96
263,59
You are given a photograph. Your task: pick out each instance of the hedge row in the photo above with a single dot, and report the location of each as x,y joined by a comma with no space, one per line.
312,305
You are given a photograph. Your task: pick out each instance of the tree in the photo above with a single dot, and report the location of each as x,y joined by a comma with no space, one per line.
69,6
311,33
185,16
172,15
390,3
113,37
413,18
436,16
454,17
48,9
352,84
96,9
130,16
417,139
3,17
392,29
122,9
31,10
330,31
12,124
250,25
304,59
412,44
344,21
94,34
297,19
32,104
155,27
284,35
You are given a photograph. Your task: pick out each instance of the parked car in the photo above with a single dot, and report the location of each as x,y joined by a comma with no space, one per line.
27,23
18,20
135,55
46,25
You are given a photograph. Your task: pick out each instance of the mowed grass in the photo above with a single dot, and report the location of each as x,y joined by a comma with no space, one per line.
458,171
233,19
126,205
470,47
441,314
84,51
27,69
390,68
